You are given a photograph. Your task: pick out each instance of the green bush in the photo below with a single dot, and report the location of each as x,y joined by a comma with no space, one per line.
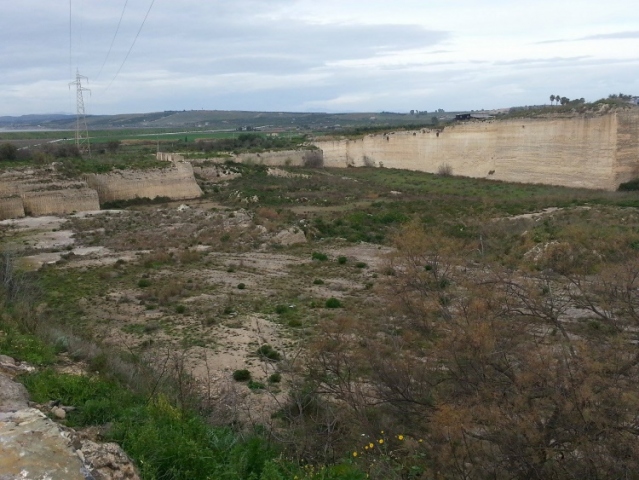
361,265
180,309
333,303
342,260
318,281
241,286
253,385
319,256
144,282
269,352
241,375
275,378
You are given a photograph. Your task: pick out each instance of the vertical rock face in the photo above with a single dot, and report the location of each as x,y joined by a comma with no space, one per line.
11,207
589,152
59,202
291,158
176,183
627,164
43,192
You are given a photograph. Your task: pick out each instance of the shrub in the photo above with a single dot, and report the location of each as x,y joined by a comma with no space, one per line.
361,265
144,282
8,152
269,352
275,378
241,375
281,309
445,170
322,257
241,286
99,363
342,260
253,385
333,303
318,281
180,309
629,186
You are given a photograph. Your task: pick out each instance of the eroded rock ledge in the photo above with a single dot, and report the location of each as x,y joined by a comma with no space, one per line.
39,192
34,447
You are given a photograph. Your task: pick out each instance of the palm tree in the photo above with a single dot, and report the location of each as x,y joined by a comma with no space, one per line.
552,99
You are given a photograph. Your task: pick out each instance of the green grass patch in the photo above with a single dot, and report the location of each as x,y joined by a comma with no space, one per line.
25,347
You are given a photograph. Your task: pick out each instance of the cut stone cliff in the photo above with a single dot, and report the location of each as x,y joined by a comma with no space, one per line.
596,151
45,192
176,183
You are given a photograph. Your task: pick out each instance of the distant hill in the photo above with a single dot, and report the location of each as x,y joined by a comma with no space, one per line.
223,120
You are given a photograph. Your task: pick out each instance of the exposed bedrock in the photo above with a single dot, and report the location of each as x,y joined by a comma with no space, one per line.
598,152
60,202
176,183
44,192
11,207
311,157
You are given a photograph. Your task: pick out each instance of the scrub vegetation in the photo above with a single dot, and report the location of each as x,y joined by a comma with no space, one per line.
425,326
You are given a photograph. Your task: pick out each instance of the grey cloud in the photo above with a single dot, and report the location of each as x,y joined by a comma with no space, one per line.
612,36
544,61
567,62
276,49
600,36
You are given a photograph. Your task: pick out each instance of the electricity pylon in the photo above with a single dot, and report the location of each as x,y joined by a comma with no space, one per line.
81,131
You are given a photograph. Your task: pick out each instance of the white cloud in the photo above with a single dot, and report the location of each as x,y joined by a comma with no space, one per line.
303,54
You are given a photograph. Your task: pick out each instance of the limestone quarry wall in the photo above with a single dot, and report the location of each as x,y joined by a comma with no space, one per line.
11,207
59,202
43,192
176,182
589,151
293,158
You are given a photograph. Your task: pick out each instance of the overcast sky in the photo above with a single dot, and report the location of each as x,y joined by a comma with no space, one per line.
314,55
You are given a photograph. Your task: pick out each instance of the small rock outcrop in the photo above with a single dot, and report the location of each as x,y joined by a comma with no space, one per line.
34,447
290,236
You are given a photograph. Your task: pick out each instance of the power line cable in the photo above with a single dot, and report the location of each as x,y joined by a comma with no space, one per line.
113,41
132,45
70,40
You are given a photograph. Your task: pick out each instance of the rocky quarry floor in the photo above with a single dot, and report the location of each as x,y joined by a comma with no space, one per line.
201,282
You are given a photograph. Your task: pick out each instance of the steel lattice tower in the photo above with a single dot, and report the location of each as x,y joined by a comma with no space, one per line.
81,130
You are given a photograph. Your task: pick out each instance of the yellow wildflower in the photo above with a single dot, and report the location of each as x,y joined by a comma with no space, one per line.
371,445
380,441
400,437
354,454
